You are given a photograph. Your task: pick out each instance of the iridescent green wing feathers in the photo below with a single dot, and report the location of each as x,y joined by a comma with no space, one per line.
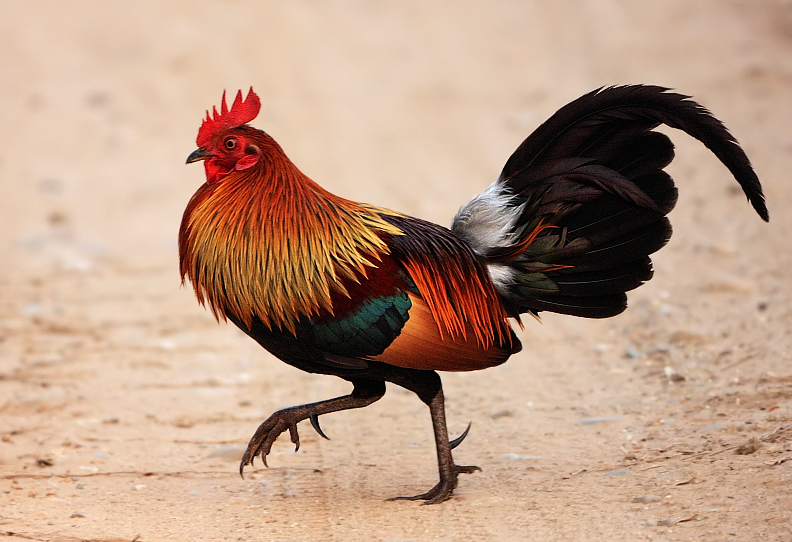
366,331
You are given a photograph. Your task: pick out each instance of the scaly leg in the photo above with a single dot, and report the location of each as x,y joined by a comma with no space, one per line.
432,394
364,393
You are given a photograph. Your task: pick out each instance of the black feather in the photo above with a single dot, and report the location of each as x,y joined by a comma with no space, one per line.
594,173
624,111
588,307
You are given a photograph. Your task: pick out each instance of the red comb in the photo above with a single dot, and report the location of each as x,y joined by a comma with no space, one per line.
241,112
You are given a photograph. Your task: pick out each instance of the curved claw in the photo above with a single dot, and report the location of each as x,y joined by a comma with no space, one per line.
315,423
295,437
266,434
457,441
287,419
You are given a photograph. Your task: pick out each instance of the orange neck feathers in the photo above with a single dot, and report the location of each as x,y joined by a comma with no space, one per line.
268,242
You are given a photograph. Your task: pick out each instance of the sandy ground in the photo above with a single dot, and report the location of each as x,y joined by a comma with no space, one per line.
124,407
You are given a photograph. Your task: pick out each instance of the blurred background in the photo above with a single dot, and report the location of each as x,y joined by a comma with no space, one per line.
409,105
412,105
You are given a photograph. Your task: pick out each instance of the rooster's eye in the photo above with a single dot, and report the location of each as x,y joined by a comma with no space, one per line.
230,143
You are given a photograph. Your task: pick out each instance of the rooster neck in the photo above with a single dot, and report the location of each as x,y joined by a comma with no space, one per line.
270,243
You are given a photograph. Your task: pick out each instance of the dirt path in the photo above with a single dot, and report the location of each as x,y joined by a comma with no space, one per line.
124,407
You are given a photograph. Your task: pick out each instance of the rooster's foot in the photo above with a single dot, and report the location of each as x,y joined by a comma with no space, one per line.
266,434
444,488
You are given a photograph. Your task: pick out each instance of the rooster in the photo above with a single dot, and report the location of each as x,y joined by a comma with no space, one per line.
370,295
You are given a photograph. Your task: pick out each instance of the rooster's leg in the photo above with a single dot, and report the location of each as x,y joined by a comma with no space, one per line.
431,393
364,393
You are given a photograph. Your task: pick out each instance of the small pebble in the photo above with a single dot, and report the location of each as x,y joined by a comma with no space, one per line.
749,447
672,375
665,310
646,499
618,473
632,353
512,456
32,309
589,421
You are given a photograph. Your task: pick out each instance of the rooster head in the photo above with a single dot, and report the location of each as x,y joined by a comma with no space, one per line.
224,144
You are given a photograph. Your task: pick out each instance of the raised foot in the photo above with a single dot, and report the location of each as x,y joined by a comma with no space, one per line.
365,393
444,488
266,434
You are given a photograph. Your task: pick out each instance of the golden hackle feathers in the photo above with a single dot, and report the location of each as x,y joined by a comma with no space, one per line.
270,243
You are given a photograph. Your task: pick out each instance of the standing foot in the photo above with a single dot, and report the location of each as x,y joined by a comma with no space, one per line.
444,488
430,390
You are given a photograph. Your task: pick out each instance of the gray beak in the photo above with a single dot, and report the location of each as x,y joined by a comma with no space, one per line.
199,154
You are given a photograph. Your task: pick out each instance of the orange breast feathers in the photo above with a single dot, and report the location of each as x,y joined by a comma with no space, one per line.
421,345
457,320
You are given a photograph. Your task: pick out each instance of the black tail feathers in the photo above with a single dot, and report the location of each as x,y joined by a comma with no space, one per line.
586,197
